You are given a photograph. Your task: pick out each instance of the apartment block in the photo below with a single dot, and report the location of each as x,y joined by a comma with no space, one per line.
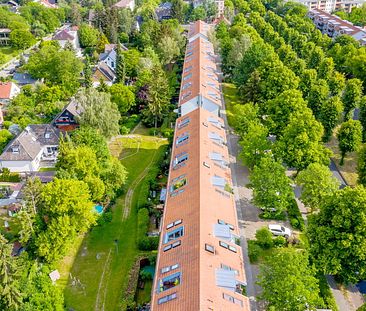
334,26
332,5
200,262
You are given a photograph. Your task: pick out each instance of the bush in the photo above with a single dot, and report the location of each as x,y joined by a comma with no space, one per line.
143,221
148,243
295,216
254,251
264,238
105,218
271,215
6,176
327,295
362,308
279,241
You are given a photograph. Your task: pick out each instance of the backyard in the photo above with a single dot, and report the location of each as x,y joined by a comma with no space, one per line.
96,273
7,53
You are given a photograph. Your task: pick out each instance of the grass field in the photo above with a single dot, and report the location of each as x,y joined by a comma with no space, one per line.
97,261
349,168
232,98
7,53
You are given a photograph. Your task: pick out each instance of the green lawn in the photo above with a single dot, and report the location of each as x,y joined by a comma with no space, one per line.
231,96
102,269
7,53
144,295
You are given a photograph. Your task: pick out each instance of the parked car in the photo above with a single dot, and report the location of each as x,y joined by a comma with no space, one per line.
279,230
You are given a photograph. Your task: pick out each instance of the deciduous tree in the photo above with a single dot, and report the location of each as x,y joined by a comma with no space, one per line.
337,235
351,96
349,137
317,182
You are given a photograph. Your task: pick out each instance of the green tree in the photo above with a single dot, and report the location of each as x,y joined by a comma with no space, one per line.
336,83
56,66
362,117
179,8
351,96
198,13
121,67
349,137
243,115
88,73
5,137
318,94
300,143
255,144
361,166
168,49
271,187
280,108
317,182
99,112
337,235
330,114
66,210
158,98
123,96
10,296
21,39
288,281
88,36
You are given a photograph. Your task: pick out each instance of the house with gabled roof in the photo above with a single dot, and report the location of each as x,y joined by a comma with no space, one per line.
8,90
125,4
105,73
67,119
68,35
35,147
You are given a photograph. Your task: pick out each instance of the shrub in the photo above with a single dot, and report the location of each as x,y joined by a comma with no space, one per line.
279,241
295,216
362,308
105,218
148,243
254,251
264,238
6,176
271,215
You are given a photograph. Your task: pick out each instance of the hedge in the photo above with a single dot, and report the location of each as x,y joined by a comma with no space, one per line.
12,177
145,243
295,216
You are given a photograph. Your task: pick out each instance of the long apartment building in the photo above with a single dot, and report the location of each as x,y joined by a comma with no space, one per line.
332,5
334,26
200,261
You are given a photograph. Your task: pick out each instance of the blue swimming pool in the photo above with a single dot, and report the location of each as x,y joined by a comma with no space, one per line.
98,209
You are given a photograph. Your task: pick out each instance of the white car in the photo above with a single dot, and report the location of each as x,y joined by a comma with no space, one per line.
279,230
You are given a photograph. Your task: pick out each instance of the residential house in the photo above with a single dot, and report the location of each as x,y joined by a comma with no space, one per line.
105,73
8,90
200,264
35,147
68,35
219,3
109,57
164,11
67,119
22,79
5,36
125,4
51,4
334,26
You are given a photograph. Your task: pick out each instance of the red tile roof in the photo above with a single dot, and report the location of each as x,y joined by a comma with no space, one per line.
5,90
188,276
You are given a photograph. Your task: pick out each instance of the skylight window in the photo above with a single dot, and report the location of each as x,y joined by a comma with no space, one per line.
169,268
167,298
188,76
186,85
173,235
182,139
169,282
180,160
184,122
188,69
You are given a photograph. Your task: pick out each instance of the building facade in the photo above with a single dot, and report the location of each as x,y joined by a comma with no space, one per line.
332,5
334,26
200,262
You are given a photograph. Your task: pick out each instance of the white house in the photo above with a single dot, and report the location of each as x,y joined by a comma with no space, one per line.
8,90
125,4
35,147
109,58
68,35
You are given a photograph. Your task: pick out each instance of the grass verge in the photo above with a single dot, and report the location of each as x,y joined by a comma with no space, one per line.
349,168
232,98
7,53
100,265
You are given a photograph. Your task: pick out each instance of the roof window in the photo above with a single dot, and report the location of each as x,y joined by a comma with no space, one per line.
175,223
178,184
167,298
169,268
183,122
184,96
173,235
210,248
188,76
227,246
173,245
169,282
15,149
180,160
188,69
186,85
182,139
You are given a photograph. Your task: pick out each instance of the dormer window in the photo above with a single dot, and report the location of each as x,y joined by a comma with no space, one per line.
15,149
47,135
